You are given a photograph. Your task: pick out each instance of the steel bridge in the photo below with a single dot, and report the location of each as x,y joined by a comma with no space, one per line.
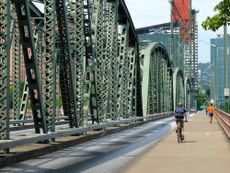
82,58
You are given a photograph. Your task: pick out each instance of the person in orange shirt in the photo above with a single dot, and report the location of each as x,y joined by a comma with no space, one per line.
211,112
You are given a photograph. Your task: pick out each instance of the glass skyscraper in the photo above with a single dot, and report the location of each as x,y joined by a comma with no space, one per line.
219,68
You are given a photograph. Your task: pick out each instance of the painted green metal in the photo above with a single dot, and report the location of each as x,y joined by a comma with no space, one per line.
30,59
99,41
112,50
90,89
131,98
111,64
122,72
100,72
178,87
82,52
25,92
24,101
188,92
66,67
16,71
50,63
157,79
4,67
76,9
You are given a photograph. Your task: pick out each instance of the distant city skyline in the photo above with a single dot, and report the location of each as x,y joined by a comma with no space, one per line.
152,12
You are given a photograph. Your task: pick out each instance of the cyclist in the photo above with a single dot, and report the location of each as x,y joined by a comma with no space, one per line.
179,116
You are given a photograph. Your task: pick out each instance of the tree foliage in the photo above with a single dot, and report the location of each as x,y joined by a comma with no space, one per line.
201,100
220,19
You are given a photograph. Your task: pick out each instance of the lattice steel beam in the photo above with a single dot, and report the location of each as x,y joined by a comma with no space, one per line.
4,67
99,41
66,69
50,63
123,64
30,59
76,10
16,70
110,81
157,77
90,89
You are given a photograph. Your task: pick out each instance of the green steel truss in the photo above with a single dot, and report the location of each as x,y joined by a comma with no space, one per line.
188,93
179,87
123,71
50,63
66,67
30,59
24,101
156,79
4,67
112,53
90,89
76,9
82,51
111,61
101,72
99,37
16,71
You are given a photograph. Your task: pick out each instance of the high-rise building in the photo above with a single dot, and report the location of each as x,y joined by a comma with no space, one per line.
218,68
204,76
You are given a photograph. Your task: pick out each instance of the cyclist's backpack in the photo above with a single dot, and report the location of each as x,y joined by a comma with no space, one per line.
179,113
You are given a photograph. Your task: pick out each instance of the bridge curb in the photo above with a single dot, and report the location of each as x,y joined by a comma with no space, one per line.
17,155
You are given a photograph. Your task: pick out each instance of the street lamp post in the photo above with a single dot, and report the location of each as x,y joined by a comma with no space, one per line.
226,89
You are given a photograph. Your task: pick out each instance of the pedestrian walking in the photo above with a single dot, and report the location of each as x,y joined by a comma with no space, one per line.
210,110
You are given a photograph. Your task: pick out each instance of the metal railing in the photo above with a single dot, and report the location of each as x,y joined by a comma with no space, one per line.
224,119
33,138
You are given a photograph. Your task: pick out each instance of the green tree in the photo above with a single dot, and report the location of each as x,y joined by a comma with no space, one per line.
201,100
220,19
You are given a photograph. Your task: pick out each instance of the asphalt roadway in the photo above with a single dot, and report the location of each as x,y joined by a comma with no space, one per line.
108,154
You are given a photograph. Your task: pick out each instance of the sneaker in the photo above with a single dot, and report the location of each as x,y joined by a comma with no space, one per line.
182,137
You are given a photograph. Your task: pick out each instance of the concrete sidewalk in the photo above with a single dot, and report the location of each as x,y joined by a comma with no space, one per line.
206,149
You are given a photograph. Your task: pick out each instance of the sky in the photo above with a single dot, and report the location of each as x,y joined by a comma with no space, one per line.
152,12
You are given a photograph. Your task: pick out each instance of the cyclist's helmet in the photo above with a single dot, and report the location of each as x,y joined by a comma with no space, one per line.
180,104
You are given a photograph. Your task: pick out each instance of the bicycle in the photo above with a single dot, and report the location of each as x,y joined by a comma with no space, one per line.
180,137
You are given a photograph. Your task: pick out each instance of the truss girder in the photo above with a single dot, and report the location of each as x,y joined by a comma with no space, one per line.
99,41
188,91
66,67
90,90
82,52
112,51
30,59
49,63
123,70
131,97
24,101
4,68
111,60
76,9
16,70
157,79
178,86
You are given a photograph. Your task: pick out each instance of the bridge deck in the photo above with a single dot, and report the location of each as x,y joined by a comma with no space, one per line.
205,149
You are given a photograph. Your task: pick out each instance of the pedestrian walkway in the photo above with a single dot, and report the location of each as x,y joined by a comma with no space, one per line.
206,149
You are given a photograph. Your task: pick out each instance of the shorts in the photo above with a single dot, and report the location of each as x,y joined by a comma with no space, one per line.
210,114
181,122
